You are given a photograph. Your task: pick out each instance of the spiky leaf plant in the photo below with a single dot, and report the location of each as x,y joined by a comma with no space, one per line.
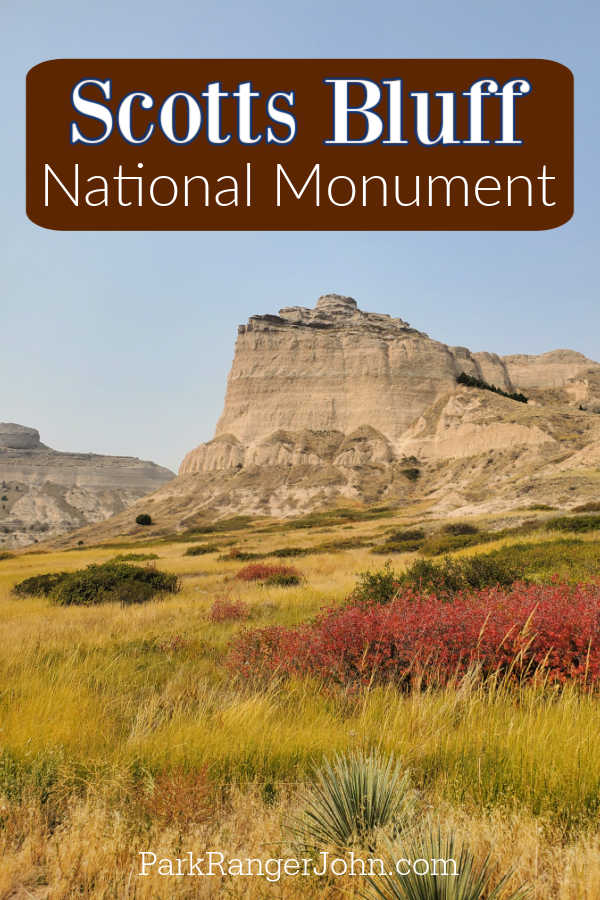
351,798
465,880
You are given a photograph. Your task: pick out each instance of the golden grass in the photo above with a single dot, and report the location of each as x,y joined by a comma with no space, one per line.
95,703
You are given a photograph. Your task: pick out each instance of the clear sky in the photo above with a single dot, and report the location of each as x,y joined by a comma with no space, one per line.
121,342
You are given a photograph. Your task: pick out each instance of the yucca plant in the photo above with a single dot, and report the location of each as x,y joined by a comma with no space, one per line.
465,880
351,798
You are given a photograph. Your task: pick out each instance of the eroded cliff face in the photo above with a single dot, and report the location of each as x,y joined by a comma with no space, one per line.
45,493
333,404
337,368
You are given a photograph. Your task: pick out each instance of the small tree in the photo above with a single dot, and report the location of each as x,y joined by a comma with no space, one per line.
143,519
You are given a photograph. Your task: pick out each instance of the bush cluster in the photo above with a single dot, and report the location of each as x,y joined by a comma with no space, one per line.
445,578
134,557
239,555
453,575
403,541
39,585
574,523
283,579
110,582
233,523
452,537
443,542
283,552
572,559
201,549
330,517
349,543
460,528
527,631
269,574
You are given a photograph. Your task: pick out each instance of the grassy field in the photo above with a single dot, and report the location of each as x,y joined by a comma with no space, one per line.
122,730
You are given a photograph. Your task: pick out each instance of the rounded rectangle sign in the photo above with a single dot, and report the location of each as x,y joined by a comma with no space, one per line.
299,144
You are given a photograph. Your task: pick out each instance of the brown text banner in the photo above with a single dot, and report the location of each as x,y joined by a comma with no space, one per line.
299,144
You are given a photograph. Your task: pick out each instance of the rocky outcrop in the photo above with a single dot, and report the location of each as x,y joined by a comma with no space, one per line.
337,368
548,370
45,493
333,405
18,437
350,390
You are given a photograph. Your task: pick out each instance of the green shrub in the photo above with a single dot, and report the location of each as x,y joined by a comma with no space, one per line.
110,582
591,506
572,559
329,517
239,555
447,871
233,523
201,549
4,554
460,528
376,587
325,547
441,543
353,797
133,557
143,519
407,534
284,552
343,544
407,541
457,536
453,575
283,579
39,585
574,523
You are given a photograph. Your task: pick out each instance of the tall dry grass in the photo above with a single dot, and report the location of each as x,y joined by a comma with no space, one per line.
100,705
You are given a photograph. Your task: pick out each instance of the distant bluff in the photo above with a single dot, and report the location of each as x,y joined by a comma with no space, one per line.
45,493
330,405
19,437
338,369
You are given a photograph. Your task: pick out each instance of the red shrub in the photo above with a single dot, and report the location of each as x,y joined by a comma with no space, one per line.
260,572
551,630
228,610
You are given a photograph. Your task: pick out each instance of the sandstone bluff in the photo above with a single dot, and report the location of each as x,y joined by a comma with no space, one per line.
333,404
44,493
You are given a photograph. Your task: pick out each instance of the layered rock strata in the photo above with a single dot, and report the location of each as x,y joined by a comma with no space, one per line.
45,493
334,405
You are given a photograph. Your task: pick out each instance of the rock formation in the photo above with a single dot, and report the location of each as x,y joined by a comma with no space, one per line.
335,368
45,493
333,404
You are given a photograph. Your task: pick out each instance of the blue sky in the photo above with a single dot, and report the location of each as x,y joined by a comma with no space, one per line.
121,342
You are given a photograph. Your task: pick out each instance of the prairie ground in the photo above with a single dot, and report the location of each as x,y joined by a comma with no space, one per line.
122,729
